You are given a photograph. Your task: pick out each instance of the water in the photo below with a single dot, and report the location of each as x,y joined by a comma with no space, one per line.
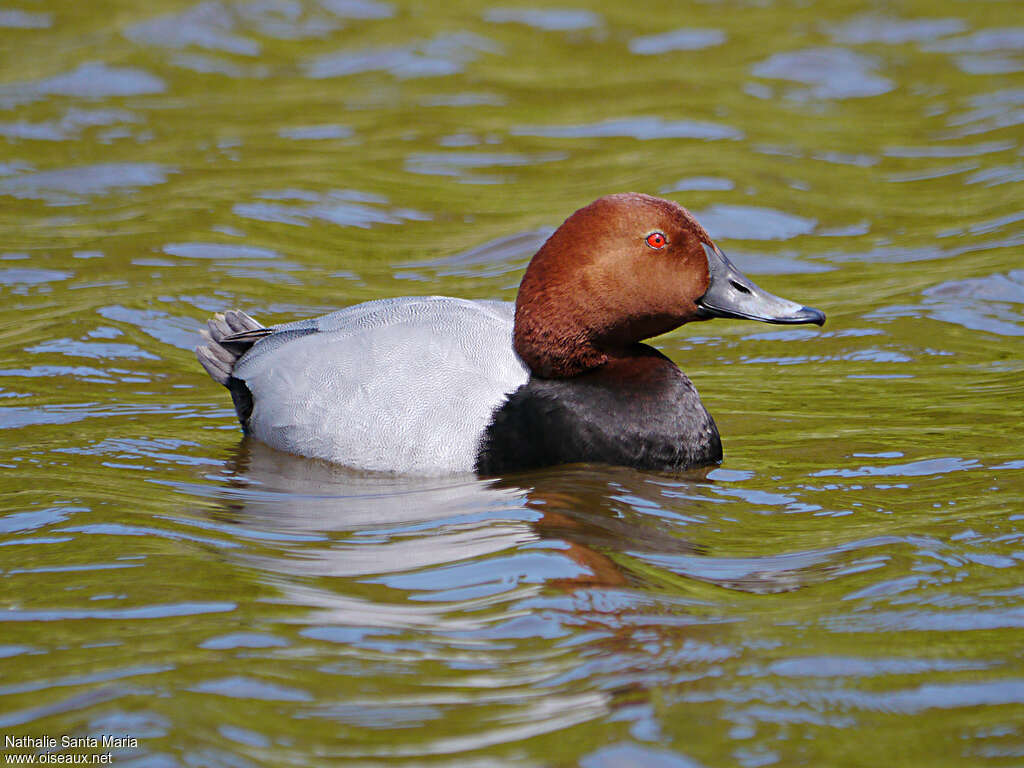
844,590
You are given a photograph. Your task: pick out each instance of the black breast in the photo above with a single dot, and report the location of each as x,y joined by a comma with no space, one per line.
640,411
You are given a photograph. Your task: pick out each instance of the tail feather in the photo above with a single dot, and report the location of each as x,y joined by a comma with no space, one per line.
226,338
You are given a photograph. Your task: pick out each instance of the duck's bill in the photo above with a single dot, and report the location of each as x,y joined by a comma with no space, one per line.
732,294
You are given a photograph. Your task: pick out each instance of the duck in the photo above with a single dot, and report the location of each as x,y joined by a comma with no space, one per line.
437,385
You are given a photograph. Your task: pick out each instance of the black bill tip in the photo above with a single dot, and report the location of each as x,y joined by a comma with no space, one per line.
803,316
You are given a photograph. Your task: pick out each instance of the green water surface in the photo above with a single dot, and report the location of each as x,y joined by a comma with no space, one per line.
844,591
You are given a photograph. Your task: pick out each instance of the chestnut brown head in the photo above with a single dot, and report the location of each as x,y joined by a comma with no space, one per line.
625,268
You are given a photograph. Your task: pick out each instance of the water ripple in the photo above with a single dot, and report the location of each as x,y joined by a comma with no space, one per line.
345,208
93,80
70,186
643,128
922,468
443,55
749,222
981,304
832,73
548,20
12,19
159,611
677,40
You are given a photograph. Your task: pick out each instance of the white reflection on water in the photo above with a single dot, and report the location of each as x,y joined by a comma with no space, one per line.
677,40
92,80
643,128
71,186
344,207
751,222
70,126
831,73
893,31
549,19
994,304
446,54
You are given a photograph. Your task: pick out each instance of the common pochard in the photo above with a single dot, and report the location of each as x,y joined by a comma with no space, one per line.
438,385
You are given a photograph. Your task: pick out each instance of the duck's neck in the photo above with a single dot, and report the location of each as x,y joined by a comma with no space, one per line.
557,342
554,352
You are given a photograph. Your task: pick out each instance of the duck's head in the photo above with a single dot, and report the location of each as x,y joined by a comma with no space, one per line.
625,268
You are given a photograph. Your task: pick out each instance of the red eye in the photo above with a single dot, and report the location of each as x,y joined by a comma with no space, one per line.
656,240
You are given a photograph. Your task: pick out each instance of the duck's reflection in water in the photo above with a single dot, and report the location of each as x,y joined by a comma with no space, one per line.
348,524
526,597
